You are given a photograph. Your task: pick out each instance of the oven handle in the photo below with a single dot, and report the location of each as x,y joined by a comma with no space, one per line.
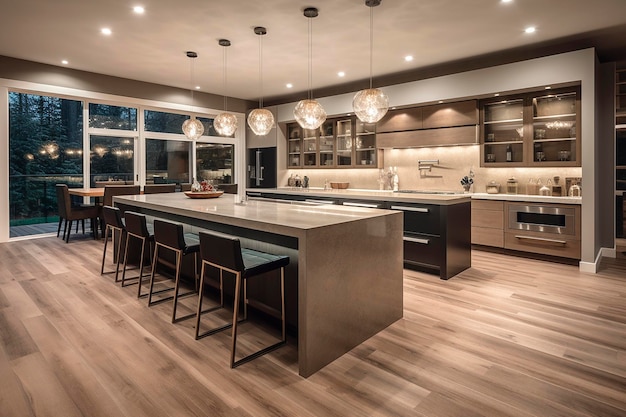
310,200
542,239
405,208
416,240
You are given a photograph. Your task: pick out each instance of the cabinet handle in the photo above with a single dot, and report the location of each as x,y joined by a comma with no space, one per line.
308,200
416,240
405,208
542,239
251,194
361,205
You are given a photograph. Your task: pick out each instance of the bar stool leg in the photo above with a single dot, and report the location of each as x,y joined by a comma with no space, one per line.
154,259
179,255
235,317
104,253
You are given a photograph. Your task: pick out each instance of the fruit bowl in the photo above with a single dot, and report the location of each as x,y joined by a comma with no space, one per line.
203,194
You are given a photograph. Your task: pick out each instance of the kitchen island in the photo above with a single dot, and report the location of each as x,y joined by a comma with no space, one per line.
344,282
437,224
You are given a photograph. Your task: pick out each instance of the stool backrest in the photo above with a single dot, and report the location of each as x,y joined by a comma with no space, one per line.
221,249
169,233
112,216
112,190
136,224
228,188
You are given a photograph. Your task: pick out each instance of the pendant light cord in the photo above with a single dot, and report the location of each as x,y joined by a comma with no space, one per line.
224,79
191,87
371,43
261,70
310,33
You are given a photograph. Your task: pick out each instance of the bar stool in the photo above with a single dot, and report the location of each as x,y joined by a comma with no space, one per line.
113,220
169,235
225,253
137,228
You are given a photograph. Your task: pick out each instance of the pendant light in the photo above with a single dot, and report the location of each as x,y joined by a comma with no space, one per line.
261,120
225,123
309,113
192,128
370,105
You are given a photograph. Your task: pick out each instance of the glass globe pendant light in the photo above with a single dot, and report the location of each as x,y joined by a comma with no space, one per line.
192,128
309,113
261,120
370,105
225,123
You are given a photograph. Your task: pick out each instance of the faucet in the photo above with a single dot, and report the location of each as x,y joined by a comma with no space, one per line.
426,164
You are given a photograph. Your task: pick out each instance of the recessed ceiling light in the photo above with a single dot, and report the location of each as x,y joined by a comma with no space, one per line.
530,29
64,62
341,74
506,1
408,58
139,9
197,87
289,85
106,31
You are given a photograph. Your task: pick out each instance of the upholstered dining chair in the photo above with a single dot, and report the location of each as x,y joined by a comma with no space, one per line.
159,188
69,214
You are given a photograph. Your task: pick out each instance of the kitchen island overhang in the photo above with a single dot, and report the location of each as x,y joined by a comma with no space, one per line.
345,284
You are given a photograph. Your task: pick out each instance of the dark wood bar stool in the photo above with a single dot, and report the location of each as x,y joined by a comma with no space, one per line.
225,253
159,188
113,224
170,236
137,229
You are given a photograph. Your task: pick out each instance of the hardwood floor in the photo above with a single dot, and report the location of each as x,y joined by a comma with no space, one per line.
509,337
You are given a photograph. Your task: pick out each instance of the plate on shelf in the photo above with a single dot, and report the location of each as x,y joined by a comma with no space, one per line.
203,194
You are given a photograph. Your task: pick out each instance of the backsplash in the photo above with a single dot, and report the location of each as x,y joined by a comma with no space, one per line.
455,162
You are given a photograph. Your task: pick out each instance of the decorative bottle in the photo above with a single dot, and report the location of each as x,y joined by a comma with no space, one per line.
195,186
509,153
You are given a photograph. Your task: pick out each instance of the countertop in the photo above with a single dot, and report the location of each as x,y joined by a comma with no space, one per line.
290,219
422,197
371,195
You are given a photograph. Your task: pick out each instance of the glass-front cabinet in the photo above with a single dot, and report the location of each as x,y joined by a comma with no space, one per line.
343,142
535,129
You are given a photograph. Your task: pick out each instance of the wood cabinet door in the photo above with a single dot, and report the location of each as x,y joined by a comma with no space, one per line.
431,137
399,120
461,113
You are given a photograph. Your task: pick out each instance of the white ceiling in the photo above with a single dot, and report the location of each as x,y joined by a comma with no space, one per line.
152,47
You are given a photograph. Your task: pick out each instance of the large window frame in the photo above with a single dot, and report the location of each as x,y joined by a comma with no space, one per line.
139,136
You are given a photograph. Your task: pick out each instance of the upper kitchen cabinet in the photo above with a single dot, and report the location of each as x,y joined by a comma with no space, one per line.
339,143
535,129
435,125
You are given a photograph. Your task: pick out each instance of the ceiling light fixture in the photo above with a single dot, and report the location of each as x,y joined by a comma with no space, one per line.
309,113
106,31
341,74
261,120
372,104
65,62
192,127
530,29
139,9
408,58
225,123
289,85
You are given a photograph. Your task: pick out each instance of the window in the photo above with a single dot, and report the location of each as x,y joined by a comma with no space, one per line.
111,159
157,121
46,148
104,116
167,161
214,162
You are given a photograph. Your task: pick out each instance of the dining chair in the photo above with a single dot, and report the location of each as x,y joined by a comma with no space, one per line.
159,188
69,213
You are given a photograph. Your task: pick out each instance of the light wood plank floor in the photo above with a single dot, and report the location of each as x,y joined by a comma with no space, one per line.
510,337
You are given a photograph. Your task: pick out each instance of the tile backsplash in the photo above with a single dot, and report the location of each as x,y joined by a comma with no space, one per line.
455,162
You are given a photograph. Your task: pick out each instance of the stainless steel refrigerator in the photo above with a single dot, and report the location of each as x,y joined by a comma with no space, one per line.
262,168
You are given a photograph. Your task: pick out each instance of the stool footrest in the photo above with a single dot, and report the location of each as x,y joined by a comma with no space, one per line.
255,355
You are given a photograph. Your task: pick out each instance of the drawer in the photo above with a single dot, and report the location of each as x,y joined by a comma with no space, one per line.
491,219
420,218
487,205
546,244
423,249
488,237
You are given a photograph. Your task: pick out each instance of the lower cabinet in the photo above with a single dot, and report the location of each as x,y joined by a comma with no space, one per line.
541,228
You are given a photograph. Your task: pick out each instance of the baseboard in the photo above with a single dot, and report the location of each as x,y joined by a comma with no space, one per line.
592,267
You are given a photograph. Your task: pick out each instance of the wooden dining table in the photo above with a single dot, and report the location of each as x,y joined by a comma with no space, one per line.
87,192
